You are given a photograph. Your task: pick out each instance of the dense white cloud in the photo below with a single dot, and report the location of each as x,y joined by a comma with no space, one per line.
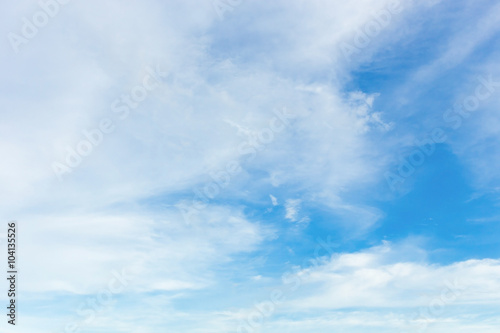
182,131
389,288
386,288
79,253
378,278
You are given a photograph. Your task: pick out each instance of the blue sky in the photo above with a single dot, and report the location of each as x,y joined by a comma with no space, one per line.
247,166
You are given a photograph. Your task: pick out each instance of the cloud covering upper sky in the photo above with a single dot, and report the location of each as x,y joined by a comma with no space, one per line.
252,166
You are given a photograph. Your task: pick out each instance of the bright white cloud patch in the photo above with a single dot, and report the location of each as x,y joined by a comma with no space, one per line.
375,291
292,207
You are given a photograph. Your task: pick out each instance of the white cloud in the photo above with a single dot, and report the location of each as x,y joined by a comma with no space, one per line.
378,278
292,207
388,288
79,253
143,154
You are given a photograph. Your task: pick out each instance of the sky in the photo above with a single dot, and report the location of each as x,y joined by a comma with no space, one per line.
284,166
